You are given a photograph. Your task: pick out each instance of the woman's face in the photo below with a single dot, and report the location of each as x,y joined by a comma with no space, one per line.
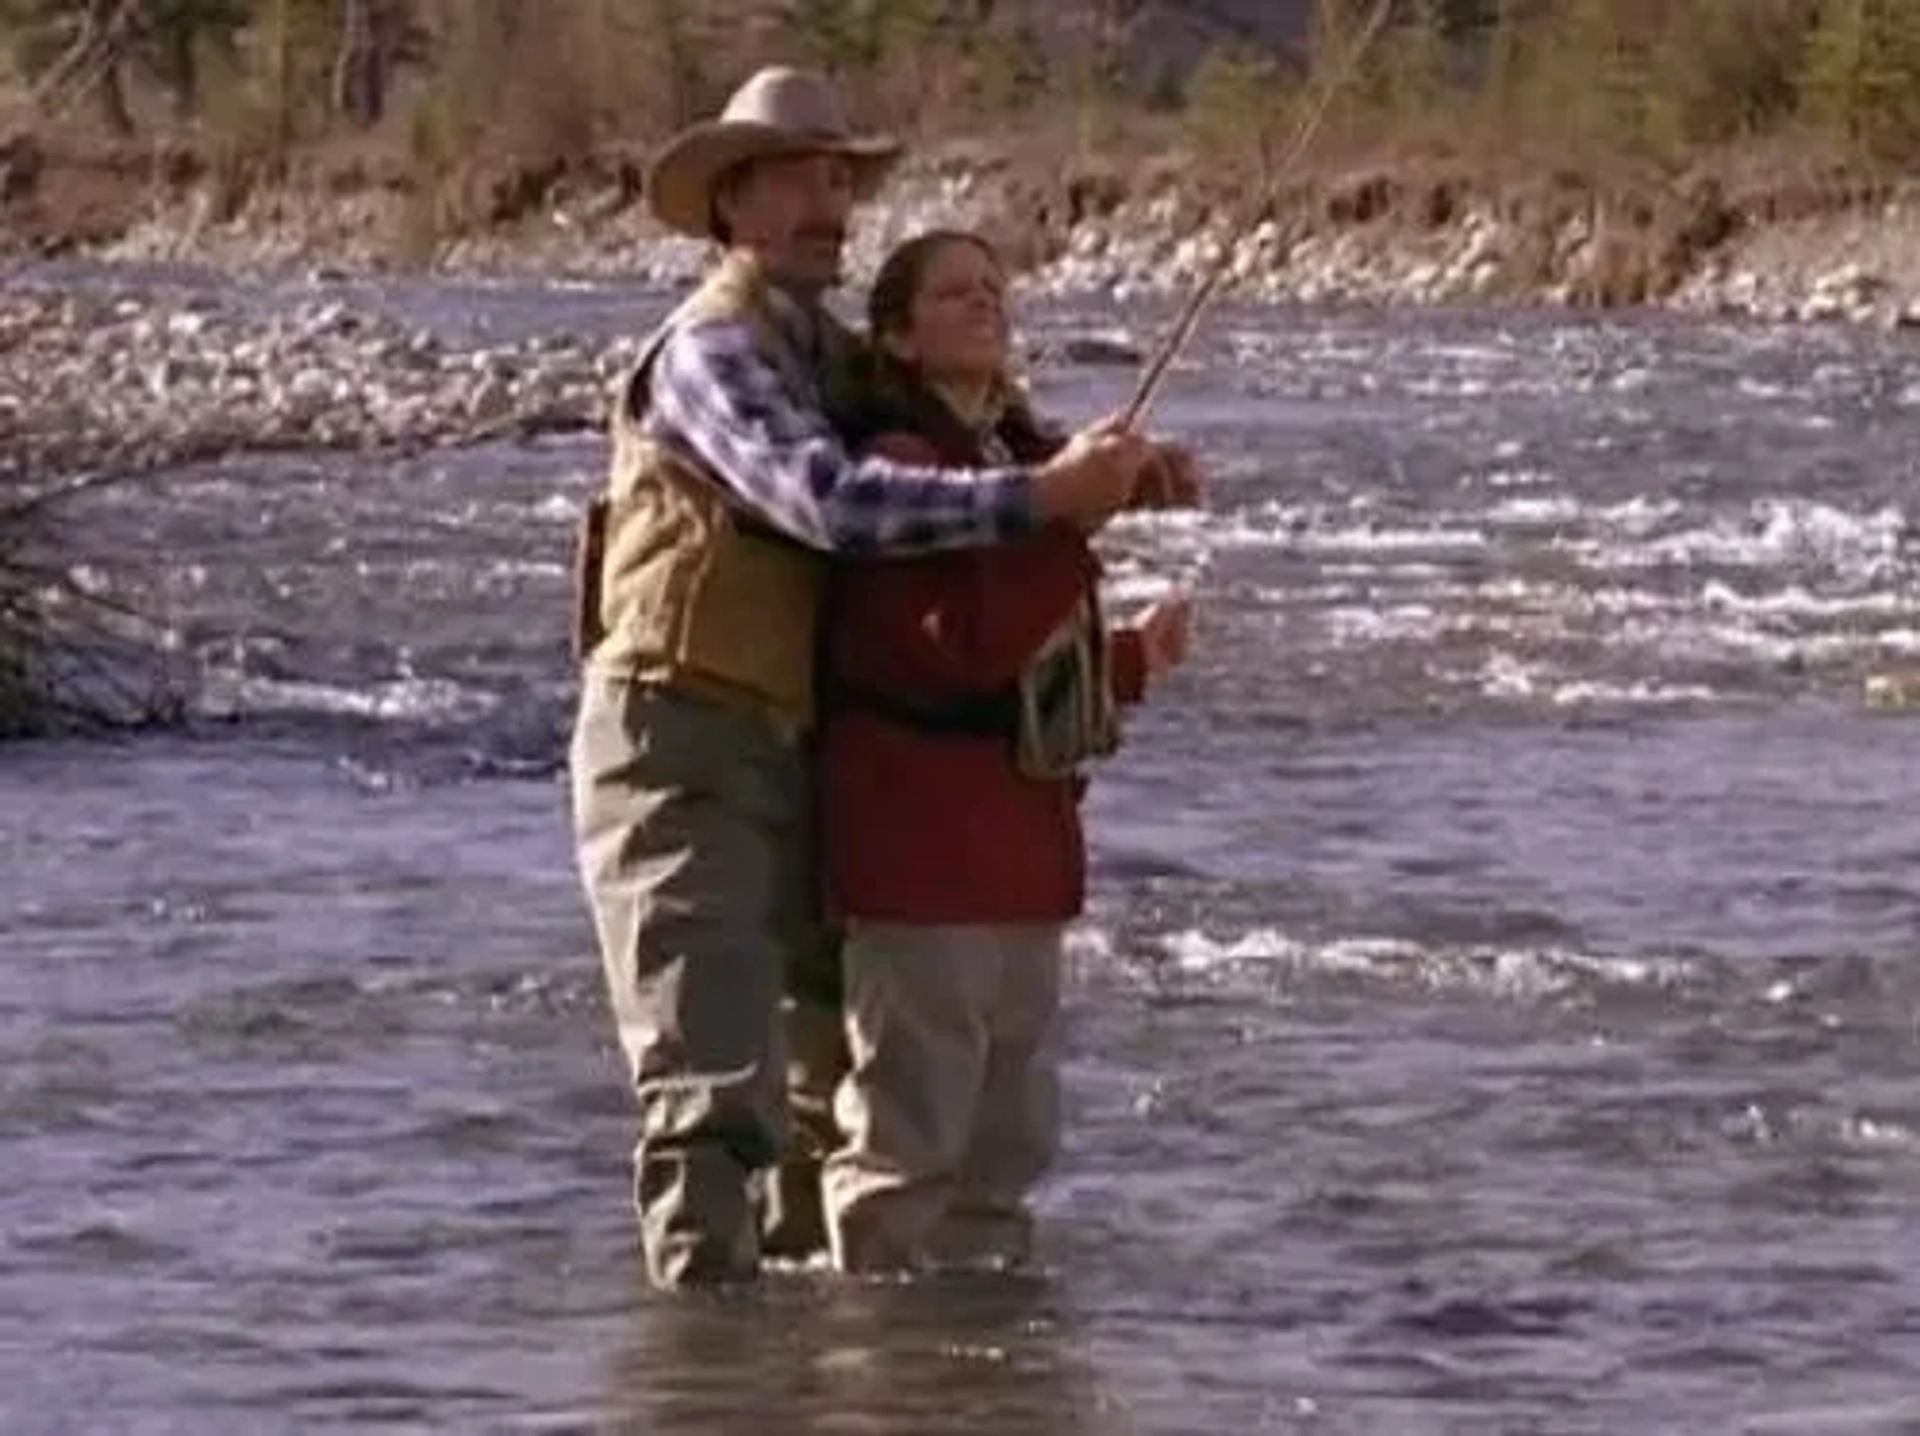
956,328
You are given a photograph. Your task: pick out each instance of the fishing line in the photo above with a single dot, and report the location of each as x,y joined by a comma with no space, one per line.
1188,576
1318,106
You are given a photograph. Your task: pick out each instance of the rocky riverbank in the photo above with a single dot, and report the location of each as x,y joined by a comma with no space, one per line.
108,380
94,378
1823,245
103,379
141,378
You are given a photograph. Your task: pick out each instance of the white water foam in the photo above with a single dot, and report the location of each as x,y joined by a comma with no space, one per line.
420,700
1507,678
1545,511
1796,601
1768,533
1494,971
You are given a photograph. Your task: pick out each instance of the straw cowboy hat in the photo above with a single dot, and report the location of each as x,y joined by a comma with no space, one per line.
780,111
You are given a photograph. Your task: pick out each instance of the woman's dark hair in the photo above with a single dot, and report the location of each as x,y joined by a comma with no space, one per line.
897,386
897,285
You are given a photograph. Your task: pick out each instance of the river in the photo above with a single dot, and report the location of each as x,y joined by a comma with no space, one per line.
1498,1011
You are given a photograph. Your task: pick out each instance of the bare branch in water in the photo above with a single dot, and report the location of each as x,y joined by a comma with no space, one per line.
73,657
25,510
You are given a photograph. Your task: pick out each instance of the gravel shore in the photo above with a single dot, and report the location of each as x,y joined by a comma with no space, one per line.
135,377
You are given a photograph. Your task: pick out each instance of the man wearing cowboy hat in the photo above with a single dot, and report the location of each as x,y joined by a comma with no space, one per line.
700,579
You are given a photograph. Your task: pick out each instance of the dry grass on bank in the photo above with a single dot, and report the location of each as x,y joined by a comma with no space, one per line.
507,110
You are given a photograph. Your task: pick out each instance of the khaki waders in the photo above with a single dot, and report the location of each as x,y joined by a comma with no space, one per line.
951,1109
693,813
695,832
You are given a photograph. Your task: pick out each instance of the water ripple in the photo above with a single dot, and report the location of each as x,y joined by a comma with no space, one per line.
1497,1009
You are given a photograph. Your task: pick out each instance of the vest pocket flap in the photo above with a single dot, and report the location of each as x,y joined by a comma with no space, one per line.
589,557
753,615
1066,707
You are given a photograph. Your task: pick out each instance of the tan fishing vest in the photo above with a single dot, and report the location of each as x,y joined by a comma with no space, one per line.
677,584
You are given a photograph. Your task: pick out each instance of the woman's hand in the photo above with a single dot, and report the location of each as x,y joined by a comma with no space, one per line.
1095,474
1164,628
1170,480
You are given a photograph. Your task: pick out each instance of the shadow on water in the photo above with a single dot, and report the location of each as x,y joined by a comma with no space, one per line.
952,1354
1497,1013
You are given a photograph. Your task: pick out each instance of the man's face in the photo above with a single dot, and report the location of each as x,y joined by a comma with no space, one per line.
793,213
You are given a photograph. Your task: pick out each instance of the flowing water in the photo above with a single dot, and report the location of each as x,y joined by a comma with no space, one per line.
1498,1012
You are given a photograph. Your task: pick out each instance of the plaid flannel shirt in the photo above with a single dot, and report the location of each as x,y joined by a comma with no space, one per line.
713,396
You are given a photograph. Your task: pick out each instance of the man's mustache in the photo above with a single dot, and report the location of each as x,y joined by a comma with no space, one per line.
825,233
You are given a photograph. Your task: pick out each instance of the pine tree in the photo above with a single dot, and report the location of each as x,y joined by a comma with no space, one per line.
1236,101
1501,77
172,37
1890,79
1732,65
1605,78
1410,76
1861,77
1830,81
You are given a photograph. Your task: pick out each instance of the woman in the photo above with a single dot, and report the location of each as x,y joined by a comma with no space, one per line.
964,693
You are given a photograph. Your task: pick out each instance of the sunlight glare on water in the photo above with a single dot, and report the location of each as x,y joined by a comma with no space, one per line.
1498,1009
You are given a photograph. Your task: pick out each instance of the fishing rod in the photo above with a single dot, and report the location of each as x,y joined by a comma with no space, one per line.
1310,121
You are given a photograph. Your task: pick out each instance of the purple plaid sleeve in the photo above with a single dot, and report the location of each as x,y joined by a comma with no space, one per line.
716,398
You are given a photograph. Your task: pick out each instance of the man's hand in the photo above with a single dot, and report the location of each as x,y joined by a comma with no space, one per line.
1171,479
1164,628
1095,476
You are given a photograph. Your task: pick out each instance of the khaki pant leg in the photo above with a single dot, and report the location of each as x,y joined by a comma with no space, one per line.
916,1000
795,1225
681,810
1016,1130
